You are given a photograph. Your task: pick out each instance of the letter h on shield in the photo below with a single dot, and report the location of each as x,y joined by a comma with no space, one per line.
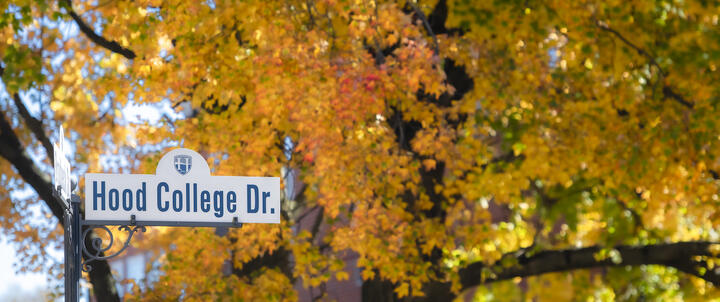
183,163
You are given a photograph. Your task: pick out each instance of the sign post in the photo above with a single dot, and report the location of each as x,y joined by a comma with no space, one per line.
62,190
182,192
61,167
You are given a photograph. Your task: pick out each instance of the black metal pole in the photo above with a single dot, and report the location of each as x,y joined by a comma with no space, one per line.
71,226
67,223
76,244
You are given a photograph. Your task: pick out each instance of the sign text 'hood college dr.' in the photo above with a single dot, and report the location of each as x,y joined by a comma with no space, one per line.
182,190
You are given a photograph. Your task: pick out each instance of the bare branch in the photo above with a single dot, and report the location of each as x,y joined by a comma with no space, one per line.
98,39
318,222
639,50
422,17
12,150
35,126
679,255
667,90
306,213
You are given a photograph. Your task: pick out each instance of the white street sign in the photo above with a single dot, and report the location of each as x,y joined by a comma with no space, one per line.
181,192
61,175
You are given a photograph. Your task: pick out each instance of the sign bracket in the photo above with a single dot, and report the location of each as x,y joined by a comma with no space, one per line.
97,243
131,227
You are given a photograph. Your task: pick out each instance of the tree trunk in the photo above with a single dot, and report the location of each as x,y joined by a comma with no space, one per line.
12,150
377,290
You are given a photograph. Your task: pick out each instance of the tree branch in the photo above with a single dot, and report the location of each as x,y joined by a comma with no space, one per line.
667,90
12,150
627,42
98,39
679,255
35,126
318,221
637,219
429,29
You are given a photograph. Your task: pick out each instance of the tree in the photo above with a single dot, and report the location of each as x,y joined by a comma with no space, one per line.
449,144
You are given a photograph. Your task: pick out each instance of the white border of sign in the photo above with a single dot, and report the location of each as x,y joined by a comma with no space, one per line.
61,168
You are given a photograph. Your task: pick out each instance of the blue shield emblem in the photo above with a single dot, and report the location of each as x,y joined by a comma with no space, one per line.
183,163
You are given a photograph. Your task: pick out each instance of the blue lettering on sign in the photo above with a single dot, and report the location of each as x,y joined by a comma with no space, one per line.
218,202
141,198
159,197
113,203
194,198
205,201
116,198
231,207
253,200
250,207
178,199
265,197
127,200
97,195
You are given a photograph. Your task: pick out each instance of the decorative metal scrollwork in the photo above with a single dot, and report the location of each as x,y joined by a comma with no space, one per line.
98,247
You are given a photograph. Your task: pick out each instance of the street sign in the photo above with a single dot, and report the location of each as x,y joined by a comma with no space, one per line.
61,169
71,218
181,193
